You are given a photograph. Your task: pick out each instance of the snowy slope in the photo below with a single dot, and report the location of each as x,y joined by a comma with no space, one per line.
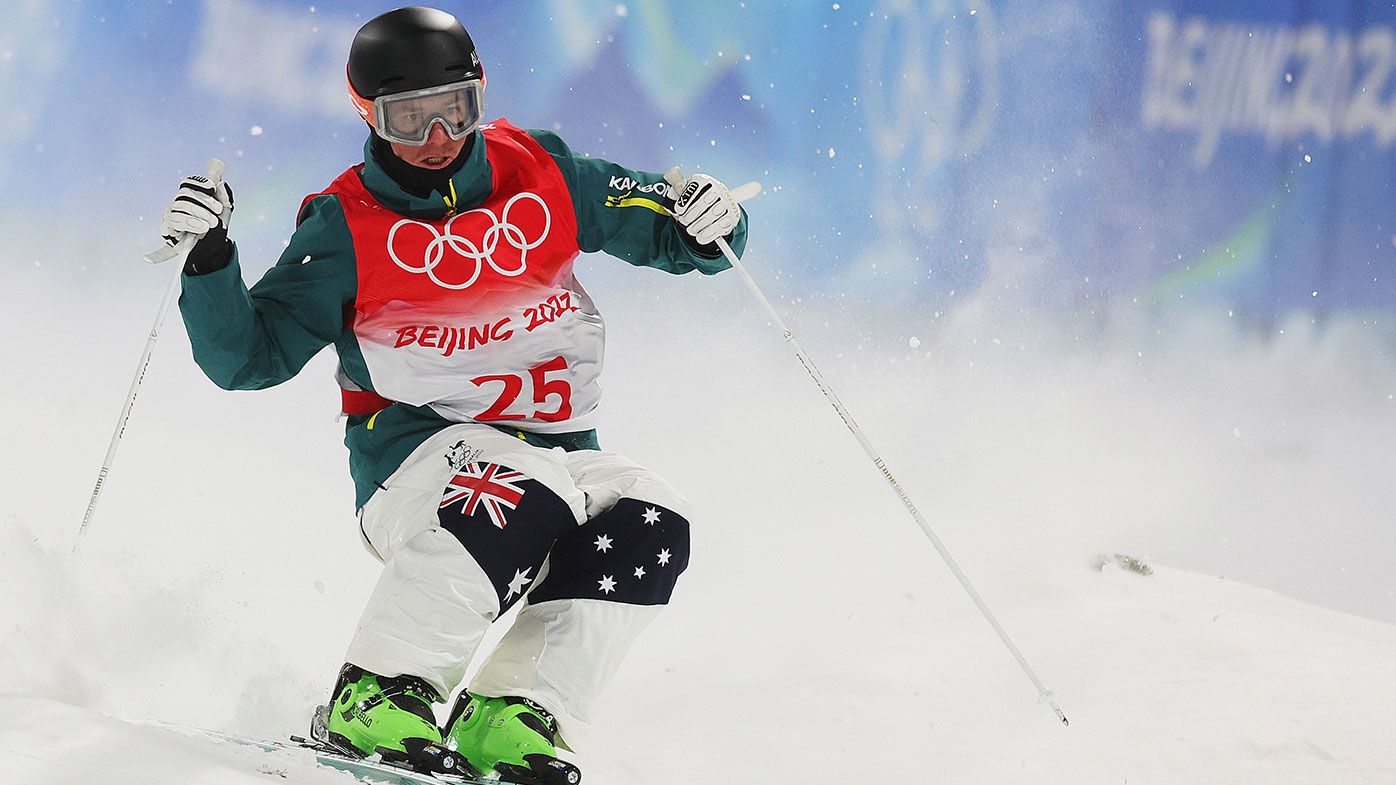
816,638
1172,678
62,744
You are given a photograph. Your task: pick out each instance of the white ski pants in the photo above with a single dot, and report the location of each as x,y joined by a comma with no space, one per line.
620,542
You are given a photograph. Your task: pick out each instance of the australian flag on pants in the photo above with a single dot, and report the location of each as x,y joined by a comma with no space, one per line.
632,553
488,486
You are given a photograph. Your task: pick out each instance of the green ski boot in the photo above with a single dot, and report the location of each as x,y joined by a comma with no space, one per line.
514,737
389,716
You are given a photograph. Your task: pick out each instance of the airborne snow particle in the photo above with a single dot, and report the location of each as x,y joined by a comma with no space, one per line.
915,342
621,10
256,130
831,152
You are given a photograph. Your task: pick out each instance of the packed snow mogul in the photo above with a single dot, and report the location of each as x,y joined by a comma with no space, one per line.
441,269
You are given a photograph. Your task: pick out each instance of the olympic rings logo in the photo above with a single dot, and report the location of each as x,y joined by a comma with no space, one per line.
465,248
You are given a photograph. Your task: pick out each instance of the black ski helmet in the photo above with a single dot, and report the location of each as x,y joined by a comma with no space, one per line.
409,49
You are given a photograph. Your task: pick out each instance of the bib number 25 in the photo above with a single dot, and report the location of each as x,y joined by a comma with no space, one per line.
544,391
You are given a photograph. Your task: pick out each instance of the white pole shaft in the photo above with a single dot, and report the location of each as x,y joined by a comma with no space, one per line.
1042,691
171,294
162,254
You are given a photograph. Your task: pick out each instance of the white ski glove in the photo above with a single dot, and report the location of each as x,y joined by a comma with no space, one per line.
706,209
198,207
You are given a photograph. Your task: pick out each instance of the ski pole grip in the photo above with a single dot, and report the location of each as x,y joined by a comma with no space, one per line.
167,252
676,179
747,191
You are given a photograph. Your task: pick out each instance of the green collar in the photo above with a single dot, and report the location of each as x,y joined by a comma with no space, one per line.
472,185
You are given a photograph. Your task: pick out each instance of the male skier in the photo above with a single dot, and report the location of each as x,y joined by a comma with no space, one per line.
441,269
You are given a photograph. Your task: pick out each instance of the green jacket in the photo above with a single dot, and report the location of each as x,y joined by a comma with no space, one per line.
250,339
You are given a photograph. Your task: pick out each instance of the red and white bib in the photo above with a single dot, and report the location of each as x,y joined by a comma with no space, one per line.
478,315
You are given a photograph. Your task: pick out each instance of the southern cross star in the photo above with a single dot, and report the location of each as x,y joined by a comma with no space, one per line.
651,516
603,543
521,580
664,557
608,584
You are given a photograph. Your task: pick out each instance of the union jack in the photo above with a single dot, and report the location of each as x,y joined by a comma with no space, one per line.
488,484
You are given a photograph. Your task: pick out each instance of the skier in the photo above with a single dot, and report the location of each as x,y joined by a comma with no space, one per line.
441,269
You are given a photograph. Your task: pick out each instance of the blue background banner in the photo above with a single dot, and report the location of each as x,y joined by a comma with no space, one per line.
1064,154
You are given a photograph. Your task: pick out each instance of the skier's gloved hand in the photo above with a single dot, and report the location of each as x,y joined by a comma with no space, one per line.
202,209
198,207
706,211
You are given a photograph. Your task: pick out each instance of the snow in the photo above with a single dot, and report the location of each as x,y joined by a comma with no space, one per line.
816,637
63,744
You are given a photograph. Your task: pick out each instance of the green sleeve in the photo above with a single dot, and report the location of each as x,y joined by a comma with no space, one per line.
623,212
250,340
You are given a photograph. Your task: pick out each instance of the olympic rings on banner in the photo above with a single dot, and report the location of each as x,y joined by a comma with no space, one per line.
468,250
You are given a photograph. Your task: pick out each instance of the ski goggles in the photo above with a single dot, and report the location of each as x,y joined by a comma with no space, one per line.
407,118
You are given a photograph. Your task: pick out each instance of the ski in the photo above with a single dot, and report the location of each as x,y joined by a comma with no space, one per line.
374,769
371,769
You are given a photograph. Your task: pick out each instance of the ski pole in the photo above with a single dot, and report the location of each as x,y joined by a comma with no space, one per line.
162,254
676,180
